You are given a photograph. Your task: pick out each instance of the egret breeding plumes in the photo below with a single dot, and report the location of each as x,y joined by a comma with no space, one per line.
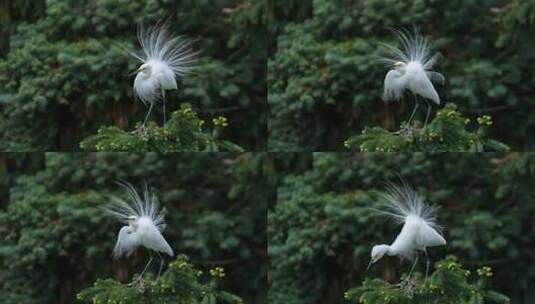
144,224
411,70
420,229
163,58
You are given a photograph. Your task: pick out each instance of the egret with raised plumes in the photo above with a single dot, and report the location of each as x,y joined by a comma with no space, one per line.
144,224
163,58
420,229
411,70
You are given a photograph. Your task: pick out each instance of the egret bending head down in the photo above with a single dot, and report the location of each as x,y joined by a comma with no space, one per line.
420,229
411,70
145,224
163,57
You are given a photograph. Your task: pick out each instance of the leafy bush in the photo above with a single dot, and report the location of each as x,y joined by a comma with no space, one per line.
325,84
179,284
447,132
448,284
183,132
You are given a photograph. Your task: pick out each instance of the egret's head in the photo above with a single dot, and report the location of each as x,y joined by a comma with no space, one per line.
378,251
144,69
132,219
399,65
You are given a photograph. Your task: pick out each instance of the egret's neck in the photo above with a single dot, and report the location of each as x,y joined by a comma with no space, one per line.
389,250
144,74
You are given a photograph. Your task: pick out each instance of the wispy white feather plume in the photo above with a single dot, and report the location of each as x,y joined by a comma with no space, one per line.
158,44
146,206
403,202
414,47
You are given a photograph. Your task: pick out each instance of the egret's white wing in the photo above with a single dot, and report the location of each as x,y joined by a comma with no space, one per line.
436,77
394,85
426,236
421,85
167,80
127,241
163,74
403,245
150,237
146,89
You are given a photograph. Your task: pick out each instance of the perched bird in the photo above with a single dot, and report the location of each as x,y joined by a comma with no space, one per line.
144,224
420,229
411,70
163,57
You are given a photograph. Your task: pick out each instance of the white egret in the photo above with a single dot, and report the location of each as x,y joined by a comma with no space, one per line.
411,71
163,57
420,229
145,224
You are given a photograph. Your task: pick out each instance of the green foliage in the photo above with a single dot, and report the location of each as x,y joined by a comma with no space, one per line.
447,132
321,229
325,82
179,284
63,76
183,132
55,240
448,284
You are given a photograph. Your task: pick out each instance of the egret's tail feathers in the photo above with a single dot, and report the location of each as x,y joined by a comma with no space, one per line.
403,202
139,206
168,250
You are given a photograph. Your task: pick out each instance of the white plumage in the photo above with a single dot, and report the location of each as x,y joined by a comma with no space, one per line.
420,229
411,69
145,222
163,57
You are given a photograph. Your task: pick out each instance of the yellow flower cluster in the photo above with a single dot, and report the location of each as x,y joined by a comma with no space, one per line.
217,272
220,121
485,271
485,120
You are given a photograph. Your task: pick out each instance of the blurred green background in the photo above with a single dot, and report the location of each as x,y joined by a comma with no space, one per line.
61,76
325,85
321,229
55,241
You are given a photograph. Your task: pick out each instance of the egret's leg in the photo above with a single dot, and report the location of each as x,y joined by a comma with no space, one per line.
413,111
161,266
146,266
426,265
140,277
412,268
163,101
428,113
148,113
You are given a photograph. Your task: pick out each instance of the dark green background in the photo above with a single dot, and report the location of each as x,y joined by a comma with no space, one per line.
321,229
55,240
61,76
325,82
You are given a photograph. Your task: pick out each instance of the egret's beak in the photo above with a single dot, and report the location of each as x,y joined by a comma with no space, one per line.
136,71
369,265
